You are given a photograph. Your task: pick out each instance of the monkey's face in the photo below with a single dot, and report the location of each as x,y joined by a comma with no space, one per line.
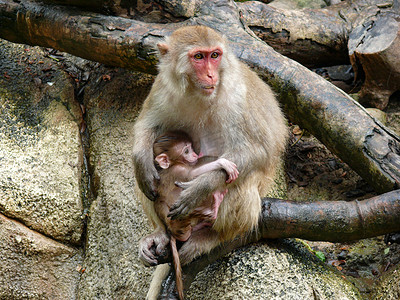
187,153
205,63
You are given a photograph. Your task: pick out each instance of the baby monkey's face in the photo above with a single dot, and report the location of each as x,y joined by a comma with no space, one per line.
187,154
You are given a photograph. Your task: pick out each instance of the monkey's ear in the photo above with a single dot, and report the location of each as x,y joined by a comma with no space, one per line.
163,48
163,160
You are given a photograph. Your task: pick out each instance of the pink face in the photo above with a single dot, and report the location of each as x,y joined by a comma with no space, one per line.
188,155
205,62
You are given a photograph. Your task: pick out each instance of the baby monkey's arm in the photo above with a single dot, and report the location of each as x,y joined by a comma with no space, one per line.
221,163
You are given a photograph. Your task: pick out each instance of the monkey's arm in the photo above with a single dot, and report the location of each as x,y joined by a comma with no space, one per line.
198,189
220,164
195,191
145,171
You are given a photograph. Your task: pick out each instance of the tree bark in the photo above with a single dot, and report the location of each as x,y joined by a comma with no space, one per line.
374,49
160,11
333,117
334,221
93,5
109,40
298,34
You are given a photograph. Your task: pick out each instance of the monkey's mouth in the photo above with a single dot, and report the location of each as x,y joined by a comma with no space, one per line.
208,89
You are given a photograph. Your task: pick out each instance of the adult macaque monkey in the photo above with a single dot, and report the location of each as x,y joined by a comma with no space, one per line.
205,91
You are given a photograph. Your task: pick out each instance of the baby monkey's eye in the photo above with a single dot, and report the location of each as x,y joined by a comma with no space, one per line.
198,56
187,151
214,55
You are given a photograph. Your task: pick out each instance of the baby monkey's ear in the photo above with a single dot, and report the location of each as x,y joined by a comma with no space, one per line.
163,160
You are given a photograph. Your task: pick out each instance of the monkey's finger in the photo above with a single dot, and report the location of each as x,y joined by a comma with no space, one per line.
178,184
178,211
182,185
151,194
231,177
150,190
147,257
150,182
161,250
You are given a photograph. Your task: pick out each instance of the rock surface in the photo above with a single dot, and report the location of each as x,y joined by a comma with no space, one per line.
40,178
40,147
116,220
34,266
273,270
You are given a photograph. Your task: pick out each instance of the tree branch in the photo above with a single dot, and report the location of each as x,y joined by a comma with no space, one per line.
110,40
333,221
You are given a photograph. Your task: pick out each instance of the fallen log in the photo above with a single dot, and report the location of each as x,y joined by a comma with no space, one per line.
110,40
333,221
298,34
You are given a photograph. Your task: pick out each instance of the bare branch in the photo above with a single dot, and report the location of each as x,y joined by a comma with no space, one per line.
110,40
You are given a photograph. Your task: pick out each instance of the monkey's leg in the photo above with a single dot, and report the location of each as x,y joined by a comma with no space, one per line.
200,242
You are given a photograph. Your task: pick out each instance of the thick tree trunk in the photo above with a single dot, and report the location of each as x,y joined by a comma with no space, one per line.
374,49
310,101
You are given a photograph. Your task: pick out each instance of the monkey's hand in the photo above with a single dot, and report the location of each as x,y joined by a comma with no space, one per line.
230,169
185,203
194,192
146,176
153,248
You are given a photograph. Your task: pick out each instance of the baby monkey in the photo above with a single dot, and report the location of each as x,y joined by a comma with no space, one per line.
177,162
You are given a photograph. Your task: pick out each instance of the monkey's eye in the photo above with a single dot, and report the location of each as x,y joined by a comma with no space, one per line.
186,151
198,56
214,55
